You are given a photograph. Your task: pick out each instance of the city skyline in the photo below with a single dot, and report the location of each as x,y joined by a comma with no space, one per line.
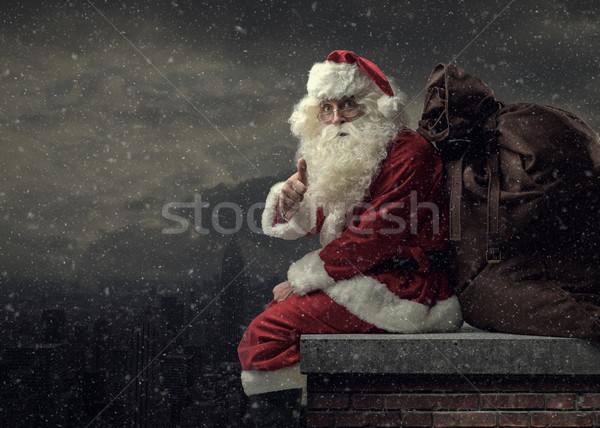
147,367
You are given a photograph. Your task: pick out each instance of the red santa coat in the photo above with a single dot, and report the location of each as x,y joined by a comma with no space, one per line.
342,288
403,214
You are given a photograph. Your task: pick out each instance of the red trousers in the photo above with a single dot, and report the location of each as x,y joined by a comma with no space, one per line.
272,340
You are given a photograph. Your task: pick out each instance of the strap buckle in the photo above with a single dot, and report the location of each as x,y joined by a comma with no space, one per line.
493,253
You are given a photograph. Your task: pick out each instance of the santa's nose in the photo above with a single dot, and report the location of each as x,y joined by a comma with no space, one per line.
337,118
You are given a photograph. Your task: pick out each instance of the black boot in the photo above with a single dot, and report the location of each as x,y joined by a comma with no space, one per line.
277,409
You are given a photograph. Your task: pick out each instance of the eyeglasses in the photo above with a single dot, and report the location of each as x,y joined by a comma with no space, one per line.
348,109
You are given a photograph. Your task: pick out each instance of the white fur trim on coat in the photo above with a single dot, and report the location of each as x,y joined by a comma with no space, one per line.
301,223
371,301
260,381
332,227
309,274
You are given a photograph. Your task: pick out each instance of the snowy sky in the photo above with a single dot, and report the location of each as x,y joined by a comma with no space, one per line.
110,110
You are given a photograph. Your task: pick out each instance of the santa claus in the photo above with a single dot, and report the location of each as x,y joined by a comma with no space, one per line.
372,189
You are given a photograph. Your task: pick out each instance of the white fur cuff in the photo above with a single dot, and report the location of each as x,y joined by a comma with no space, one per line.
302,222
260,381
309,274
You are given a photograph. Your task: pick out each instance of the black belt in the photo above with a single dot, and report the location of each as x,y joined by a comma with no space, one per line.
438,260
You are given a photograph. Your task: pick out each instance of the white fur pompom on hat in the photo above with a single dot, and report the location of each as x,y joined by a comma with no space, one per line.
346,74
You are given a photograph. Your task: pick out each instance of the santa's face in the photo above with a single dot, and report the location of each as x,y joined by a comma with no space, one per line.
343,149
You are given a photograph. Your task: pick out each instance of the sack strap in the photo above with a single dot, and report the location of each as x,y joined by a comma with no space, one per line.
455,168
492,253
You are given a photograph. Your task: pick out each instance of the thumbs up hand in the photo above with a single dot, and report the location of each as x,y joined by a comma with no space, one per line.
302,171
292,192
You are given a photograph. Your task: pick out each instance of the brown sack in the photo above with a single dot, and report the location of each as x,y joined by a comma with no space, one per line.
524,188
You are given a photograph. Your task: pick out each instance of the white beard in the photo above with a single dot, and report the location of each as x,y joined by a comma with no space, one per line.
343,160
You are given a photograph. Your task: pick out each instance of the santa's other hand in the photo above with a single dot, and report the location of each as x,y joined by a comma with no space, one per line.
282,291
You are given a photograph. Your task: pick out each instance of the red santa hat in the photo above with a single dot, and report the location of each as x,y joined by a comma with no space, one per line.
347,74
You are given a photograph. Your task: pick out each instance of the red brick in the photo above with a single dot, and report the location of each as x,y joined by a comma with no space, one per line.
513,419
416,401
562,419
512,401
464,419
589,401
560,402
328,401
416,419
314,419
365,402
369,419
463,402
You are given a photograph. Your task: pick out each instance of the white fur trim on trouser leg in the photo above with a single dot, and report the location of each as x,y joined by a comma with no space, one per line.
261,381
371,301
301,223
309,274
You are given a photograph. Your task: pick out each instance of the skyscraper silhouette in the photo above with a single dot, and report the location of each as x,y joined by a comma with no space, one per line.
146,343
233,296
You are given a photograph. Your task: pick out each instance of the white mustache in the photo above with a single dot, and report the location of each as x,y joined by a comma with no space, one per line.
343,130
